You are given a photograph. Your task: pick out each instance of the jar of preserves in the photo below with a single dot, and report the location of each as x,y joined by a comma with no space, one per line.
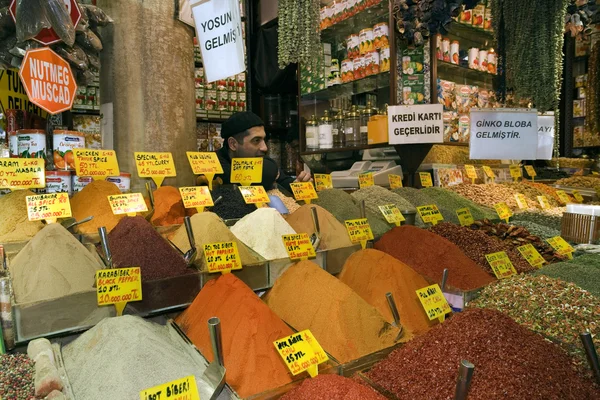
352,127
339,140
312,133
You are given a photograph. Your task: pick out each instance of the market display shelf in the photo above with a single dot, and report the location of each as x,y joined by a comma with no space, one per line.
364,19
210,120
91,110
464,75
342,149
368,84
470,33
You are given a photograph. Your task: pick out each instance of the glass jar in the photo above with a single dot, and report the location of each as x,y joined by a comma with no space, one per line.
352,127
325,131
339,140
365,115
274,150
312,133
273,111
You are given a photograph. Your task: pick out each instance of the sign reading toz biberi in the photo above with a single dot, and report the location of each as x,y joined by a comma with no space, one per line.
504,134
415,124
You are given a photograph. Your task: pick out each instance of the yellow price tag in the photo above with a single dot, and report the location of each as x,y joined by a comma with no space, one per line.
254,195
501,265
471,172
98,164
561,246
323,181
578,196
515,171
157,166
196,197
301,352
298,246
359,231
304,191
503,211
433,301
563,196
595,173
425,178
246,170
395,181
543,202
127,203
22,173
430,214
533,257
48,207
205,163
521,201
118,286
465,217
488,171
530,171
392,214
180,389
222,257
366,180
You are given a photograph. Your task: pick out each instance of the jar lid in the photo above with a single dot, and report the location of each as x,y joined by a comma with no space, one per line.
325,118
312,121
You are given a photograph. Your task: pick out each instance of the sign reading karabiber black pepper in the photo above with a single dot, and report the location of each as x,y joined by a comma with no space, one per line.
415,124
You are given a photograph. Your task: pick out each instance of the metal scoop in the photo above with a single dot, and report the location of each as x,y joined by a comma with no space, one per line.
150,213
190,255
315,238
69,223
392,303
107,259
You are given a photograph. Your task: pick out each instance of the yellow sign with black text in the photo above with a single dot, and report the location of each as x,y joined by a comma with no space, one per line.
366,180
301,352
97,164
430,214
246,170
433,301
48,207
323,181
118,286
196,197
298,246
222,257
530,253
501,265
464,216
127,203
395,181
156,166
392,214
22,173
359,231
180,389
304,191
425,178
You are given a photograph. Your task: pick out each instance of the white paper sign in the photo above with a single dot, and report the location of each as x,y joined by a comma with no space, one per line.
219,32
545,136
503,134
415,124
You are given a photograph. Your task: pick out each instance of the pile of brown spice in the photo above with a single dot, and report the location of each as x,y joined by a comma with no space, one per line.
333,233
549,191
511,362
14,223
531,193
488,194
332,387
93,201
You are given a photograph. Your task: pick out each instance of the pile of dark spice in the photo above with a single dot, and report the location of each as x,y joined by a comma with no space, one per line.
556,309
476,244
332,387
542,231
134,242
452,202
232,204
429,254
16,377
550,221
584,271
511,362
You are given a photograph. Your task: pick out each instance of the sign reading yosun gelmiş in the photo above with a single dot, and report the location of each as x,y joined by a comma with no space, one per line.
415,124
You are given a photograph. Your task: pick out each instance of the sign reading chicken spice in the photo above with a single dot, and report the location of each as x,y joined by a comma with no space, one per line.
359,231
395,181
392,214
433,301
425,178
532,256
118,286
48,207
222,257
98,164
561,246
301,352
430,214
157,166
366,180
22,173
180,389
127,203
501,265
196,197
323,181
304,191
464,216
298,246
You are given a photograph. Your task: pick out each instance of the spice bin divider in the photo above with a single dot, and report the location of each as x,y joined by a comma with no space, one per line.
62,372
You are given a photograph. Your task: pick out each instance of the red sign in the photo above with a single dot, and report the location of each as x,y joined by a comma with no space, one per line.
48,80
47,35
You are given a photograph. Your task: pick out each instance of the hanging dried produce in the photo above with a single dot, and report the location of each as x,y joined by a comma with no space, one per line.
299,38
592,119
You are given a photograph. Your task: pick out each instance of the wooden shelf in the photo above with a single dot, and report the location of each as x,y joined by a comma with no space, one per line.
372,146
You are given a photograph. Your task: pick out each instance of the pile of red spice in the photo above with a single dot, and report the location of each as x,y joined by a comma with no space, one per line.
135,243
511,362
429,254
332,387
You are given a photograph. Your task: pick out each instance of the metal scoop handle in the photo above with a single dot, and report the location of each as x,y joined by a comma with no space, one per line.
444,279
592,355
105,246
83,221
392,303
465,374
315,218
363,209
150,194
214,329
190,232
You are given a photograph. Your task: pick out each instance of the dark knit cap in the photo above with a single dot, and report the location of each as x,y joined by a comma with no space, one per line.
239,122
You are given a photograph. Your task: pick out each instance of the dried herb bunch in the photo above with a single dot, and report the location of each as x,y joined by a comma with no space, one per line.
299,34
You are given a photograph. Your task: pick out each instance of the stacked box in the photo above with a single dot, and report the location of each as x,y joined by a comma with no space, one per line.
221,98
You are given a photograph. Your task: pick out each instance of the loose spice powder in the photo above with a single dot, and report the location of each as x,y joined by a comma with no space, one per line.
333,233
168,207
584,271
511,362
429,254
93,201
249,329
232,204
209,228
372,273
307,297
332,387
134,242
487,195
14,224
16,377
375,196
288,202
451,201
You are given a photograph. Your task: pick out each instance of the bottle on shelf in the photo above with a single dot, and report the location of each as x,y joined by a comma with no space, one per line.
339,139
325,132
312,133
365,116
352,127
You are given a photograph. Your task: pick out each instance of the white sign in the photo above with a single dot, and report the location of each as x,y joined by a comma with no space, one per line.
415,124
503,134
545,136
219,32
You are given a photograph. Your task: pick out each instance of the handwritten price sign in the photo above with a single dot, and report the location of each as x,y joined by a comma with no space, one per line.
157,166
246,170
22,173
48,207
395,181
196,197
530,253
222,257
430,214
254,195
298,246
127,203
392,214
304,191
180,389
366,180
359,231
118,286
98,164
501,265
433,301
323,181
301,352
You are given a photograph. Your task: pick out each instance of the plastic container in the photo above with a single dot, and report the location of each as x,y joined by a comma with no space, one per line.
122,181
63,143
59,182
454,48
353,46
474,58
384,59
339,140
347,70
13,149
31,143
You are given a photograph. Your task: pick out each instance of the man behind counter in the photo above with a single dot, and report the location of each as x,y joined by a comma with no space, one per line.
244,136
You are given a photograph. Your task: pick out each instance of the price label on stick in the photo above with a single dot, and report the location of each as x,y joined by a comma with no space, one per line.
521,201
578,196
222,257
501,265
180,389
205,163
359,231
323,181
366,180
156,166
430,214
118,286
433,301
22,173
425,178
503,211
301,352
196,197
515,171
392,214
543,202
298,246
98,164
246,170
488,171
254,195
48,207
561,246
471,172
530,171
530,253
127,203
563,196
304,191
395,181
464,216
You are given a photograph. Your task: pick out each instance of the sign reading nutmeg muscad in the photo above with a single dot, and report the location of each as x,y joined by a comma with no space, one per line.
415,124
503,134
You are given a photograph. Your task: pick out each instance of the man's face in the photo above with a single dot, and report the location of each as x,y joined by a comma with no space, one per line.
253,145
